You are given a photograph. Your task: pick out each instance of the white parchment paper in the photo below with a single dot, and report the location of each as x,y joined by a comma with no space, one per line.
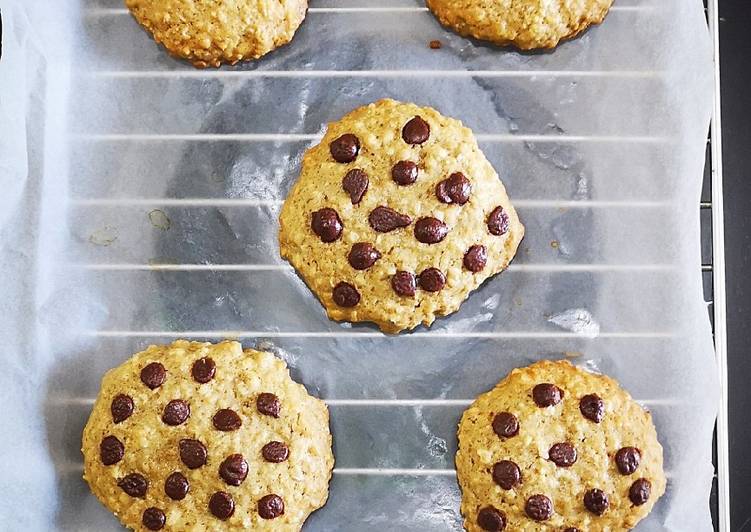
139,203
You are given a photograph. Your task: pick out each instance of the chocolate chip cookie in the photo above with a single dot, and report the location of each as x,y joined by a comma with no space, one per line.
526,24
212,32
554,447
397,216
195,436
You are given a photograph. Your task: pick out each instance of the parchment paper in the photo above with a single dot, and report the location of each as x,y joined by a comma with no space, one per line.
116,159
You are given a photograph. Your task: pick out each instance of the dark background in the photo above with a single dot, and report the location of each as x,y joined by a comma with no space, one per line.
735,62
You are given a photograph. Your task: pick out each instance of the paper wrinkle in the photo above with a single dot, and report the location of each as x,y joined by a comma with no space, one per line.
518,317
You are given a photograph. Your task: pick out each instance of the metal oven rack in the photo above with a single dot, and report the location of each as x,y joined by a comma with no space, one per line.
713,268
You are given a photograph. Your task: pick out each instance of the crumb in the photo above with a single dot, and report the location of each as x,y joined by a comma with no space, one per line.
435,44
554,244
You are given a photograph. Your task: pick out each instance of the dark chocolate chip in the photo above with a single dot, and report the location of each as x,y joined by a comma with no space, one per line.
430,230
539,507
507,474
326,224
432,280
571,529
153,375
222,505
192,453
562,454
176,412
416,131
275,451
363,255
176,486
153,518
547,394
134,485
111,450
476,258
505,425
203,370
355,183
498,222
404,173
628,459
121,408
234,469
640,491
226,420
592,407
384,219
491,519
345,295
403,283
455,189
268,404
270,506
344,149
596,501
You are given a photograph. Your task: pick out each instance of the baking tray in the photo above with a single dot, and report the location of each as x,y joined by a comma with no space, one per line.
176,180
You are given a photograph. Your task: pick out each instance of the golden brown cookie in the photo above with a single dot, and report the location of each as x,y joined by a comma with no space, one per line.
195,436
553,447
527,24
212,32
397,216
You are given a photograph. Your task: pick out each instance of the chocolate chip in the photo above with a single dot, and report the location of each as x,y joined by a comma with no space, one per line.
596,501
432,280
628,459
416,131
234,469
355,183
153,375
498,222
507,474
222,505
539,507
111,450
326,224
345,295
134,485
176,412
491,519
226,420
270,506
403,283
640,491
404,173
476,258
547,394
192,453
176,486
571,529
430,230
268,404
592,407
275,451
344,149
203,370
121,408
153,518
363,255
505,425
384,219
455,189
562,454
